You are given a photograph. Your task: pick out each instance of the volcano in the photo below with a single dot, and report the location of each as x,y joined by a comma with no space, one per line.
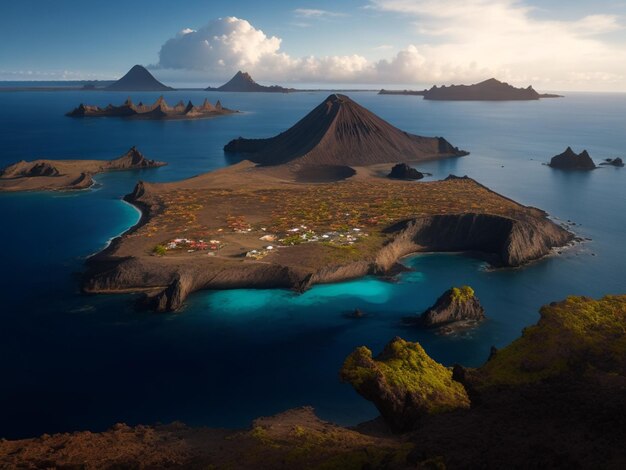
138,79
339,131
243,82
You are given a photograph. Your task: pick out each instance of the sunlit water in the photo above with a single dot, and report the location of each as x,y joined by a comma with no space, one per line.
69,361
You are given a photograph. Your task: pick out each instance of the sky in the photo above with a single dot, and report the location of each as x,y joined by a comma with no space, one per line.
552,44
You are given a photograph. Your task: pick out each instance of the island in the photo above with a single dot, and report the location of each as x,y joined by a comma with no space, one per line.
458,306
488,90
160,110
618,162
341,132
66,175
242,82
405,172
402,92
138,78
554,397
268,226
570,160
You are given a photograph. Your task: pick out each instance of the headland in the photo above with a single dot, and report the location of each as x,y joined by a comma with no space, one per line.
67,175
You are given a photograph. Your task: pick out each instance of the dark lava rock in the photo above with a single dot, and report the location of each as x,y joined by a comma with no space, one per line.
356,314
458,304
613,162
570,160
405,172
43,169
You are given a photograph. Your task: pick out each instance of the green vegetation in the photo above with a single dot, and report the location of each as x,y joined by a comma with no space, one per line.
462,294
160,250
404,373
574,336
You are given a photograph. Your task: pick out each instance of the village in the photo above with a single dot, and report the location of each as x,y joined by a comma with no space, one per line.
294,236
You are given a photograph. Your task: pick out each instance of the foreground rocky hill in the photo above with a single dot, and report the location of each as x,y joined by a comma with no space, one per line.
555,398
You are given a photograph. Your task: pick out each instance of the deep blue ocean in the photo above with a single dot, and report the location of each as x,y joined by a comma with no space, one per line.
70,361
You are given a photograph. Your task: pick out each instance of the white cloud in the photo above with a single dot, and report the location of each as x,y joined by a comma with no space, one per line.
506,39
455,41
226,45
314,13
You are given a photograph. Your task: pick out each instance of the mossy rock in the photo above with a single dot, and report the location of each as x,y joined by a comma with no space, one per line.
572,337
404,383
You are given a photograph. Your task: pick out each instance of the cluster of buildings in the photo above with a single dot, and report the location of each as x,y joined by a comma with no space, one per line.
193,245
303,234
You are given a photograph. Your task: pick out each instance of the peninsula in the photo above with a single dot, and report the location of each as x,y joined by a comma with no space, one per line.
554,397
66,175
341,132
242,82
489,90
247,226
158,111
138,79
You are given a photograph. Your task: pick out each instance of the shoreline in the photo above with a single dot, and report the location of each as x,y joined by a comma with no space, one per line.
119,235
171,279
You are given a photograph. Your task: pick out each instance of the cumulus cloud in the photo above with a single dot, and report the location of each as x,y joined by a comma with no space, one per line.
229,44
505,38
455,41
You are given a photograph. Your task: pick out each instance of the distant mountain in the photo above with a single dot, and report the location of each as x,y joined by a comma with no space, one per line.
489,90
243,82
342,132
138,79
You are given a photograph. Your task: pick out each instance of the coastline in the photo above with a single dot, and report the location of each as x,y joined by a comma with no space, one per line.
528,237
119,235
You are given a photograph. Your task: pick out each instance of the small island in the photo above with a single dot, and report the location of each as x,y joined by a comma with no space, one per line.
242,82
160,110
138,79
67,175
458,305
402,92
618,162
570,160
489,90
405,172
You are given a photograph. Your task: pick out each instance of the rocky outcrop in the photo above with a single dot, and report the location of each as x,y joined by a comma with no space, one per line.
613,162
405,172
404,383
341,132
458,304
570,160
508,242
133,159
488,90
138,79
159,110
242,82
30,169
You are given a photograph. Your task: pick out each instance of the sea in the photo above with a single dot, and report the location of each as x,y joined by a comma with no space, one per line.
70,361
